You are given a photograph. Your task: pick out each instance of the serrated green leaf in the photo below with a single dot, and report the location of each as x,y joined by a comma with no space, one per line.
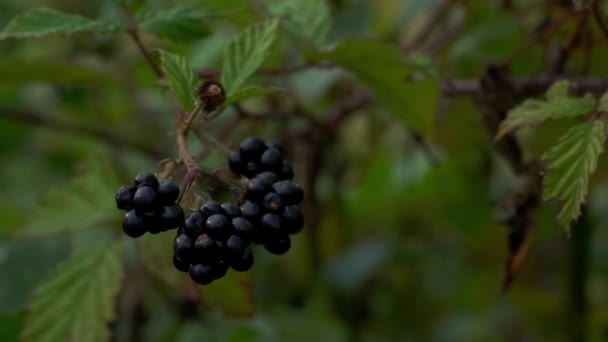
77,205
233,294
385,69
571,162
245,53
42,21
76,301
180,76
52,72
248,92
308,19
558,104
180,23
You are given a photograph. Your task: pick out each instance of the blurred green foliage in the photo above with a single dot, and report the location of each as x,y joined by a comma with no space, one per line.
405,244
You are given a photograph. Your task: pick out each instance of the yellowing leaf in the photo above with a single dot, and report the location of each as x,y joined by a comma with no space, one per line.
571,162
558,104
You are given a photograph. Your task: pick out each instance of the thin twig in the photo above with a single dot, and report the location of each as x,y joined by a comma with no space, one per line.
110,138
133,31
554,25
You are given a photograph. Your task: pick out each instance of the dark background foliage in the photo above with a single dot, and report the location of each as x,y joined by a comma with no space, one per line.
410,204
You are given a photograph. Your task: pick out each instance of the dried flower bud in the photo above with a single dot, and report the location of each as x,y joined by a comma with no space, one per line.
211,94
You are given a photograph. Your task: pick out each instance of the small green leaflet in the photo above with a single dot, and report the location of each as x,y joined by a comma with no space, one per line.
246,53
42,21
76,301
181,23
571,162
77,205
180,76
558,104
248,92
309,19
385,69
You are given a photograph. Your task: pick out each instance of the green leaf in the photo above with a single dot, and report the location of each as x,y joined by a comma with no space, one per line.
51,72
77,205
181,23
245,53
76,301
42,21
571,162
385,69
248,92
558,104
180,76
603,103
308,19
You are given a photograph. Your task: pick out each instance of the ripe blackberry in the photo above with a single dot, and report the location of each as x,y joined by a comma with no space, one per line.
272,202
290,192
211,208
231,210
202,273
167,191
182,246
275,145
235,245
172,216
279,245
220,268
257,188
236,163
286,172
268,177
271,225
124,197
251,211
146,179
180,264
194,224
145,198
205,247
271,160
293,219
243,262
252,148
218,226
133,224
244,229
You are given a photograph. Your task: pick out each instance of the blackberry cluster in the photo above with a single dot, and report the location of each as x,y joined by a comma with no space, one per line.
150,205
271,201
213,238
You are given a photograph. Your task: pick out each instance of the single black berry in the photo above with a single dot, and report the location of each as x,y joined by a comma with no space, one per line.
275,145
271,224
235,163
220,268
194,224
231,210
251,169
145,198
244,228
172,216
242,262
279,245
180,264
272,201
293,219
250,211
146,179
290,192
133,224
217,226
182,246
167,191
271,160
268,177
201,273
235,245
257,187
211,208
286,171
252,148
124,197
205,246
